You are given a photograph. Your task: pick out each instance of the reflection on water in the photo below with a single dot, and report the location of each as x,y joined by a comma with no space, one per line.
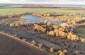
34,19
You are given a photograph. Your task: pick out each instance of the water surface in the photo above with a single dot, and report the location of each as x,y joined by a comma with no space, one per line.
34,19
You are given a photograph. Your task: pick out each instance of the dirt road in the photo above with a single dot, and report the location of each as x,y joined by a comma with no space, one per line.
10,46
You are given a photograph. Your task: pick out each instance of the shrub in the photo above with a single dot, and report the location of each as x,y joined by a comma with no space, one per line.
40,45
48,24
36,26
51,50
65,51
56,32
46,21
51,33
33,42
69,35
11,24
82,40
61,29
61,52
39,28
16,24
72,36
43,29
55,26
62,34
73,22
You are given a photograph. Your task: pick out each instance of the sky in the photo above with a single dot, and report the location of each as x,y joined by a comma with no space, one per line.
79,2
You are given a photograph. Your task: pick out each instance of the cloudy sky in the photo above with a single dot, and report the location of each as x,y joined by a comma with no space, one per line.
80,2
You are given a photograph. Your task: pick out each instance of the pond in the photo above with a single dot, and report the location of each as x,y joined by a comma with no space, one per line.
34,19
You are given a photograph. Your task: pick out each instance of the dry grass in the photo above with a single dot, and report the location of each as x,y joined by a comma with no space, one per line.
80,32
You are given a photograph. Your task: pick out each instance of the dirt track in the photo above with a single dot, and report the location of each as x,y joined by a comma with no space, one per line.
10,46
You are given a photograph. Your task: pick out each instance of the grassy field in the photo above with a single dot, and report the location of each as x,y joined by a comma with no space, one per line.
41,10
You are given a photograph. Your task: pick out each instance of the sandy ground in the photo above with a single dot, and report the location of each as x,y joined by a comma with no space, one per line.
10,46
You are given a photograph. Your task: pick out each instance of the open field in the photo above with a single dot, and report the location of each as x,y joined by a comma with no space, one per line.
39,10
67,37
